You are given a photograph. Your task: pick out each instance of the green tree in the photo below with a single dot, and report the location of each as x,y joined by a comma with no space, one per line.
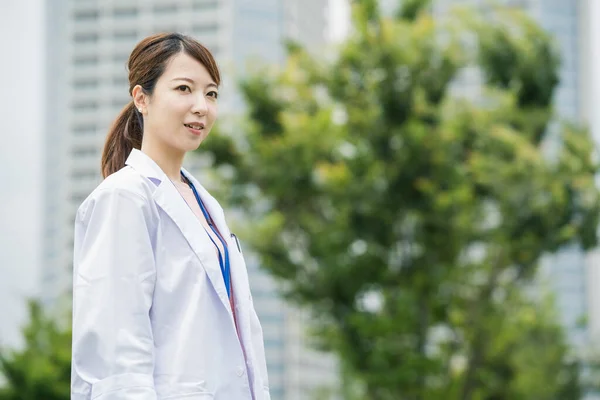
411,220
42,368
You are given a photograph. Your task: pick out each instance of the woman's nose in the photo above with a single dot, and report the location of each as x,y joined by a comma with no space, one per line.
200,106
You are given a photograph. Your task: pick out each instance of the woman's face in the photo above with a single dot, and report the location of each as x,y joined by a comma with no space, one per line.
183,108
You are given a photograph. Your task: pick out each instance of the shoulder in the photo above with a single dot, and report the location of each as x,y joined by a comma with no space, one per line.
127,180
126,184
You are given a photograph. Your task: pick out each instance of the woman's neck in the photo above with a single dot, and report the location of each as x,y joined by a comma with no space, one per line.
169,162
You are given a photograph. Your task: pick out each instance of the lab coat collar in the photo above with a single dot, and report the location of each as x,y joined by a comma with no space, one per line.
148,168
168,198
145,166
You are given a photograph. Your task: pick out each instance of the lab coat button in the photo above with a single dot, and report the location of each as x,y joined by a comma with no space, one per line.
240,371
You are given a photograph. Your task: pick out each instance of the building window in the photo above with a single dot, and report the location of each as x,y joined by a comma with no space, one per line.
165,8
270,318
125,35
166,28
84,151
205,4
125,12
520,4
84,174
121,57
277,367
85,105
277,393
86,15
85,83
89,37
205,28
77,198
84,129
86,60
120,102
121,81
271,342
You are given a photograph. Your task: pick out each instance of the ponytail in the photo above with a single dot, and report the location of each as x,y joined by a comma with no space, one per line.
124,135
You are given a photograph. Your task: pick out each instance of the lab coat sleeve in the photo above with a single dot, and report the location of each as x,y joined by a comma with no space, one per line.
259,350
113,284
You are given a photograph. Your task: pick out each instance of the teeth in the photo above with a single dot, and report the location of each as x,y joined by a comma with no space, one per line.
198,127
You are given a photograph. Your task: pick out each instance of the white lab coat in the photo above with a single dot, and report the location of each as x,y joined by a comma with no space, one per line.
151,315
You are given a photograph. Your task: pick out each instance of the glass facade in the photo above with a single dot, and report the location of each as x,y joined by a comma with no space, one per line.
566,270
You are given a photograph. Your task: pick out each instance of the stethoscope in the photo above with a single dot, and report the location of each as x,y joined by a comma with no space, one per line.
224,262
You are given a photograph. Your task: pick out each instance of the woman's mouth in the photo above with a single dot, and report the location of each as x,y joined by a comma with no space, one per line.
195,128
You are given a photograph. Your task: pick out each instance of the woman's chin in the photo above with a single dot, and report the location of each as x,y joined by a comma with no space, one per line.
192,145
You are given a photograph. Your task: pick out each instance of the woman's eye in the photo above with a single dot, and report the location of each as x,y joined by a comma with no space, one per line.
184,88
213,94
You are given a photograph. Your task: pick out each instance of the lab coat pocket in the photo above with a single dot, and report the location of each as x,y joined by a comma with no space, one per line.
123,386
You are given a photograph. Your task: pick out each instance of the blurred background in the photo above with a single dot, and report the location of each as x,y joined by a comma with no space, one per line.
63,77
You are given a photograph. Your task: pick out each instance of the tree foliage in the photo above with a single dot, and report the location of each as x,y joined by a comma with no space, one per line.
411,219
42,368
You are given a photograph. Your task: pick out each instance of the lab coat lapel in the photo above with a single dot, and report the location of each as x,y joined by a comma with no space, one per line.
169,199
239,275
171,202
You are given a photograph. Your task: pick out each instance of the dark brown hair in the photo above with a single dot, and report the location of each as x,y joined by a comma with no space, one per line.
146,64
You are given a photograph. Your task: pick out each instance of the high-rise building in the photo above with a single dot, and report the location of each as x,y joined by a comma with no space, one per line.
22,105
590,86
88,43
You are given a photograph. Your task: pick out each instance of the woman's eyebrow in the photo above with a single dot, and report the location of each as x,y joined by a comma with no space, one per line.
211,84
184,79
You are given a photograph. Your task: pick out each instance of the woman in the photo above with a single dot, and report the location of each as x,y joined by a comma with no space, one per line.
161,301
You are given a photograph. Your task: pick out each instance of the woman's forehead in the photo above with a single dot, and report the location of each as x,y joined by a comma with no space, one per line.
185,67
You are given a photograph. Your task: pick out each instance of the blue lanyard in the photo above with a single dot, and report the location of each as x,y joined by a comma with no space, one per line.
225,266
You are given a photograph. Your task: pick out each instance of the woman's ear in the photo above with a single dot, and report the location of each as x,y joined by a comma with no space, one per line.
140,99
